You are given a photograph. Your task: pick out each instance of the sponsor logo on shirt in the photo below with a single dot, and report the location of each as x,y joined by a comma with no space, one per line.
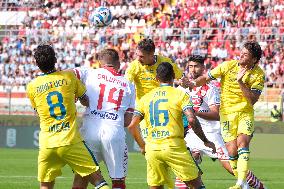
105,115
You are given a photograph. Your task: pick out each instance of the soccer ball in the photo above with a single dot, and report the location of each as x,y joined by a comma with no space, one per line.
101,17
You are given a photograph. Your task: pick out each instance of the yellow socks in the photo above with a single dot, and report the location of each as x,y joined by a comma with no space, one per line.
233,162
242,164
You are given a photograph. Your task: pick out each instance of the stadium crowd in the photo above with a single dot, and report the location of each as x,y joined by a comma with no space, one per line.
214,29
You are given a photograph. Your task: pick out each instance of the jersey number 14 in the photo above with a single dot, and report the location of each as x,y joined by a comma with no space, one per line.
110,97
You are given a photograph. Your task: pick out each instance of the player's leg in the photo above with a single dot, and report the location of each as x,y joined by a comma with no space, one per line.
156,187
49,167
80,182
81,159
157,169
245,131
229,134
195,183
115,155
184,167
194,145
47,185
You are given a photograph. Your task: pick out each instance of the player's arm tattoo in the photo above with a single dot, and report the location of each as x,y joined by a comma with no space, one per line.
195,124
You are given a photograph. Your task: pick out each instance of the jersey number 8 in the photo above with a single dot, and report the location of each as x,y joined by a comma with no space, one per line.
53,106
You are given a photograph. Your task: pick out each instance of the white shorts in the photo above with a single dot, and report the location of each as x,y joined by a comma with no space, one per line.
196,145
108,145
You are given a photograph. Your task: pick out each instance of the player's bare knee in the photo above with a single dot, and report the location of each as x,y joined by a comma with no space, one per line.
80,182
197,157
195,183
47,185
96,178
243,141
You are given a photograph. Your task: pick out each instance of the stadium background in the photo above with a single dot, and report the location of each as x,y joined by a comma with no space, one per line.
214,29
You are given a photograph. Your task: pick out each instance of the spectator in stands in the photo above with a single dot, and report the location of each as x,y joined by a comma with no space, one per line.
213,23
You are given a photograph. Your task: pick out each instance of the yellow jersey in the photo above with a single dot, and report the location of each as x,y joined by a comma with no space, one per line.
162,109
232,99
53,96
144,76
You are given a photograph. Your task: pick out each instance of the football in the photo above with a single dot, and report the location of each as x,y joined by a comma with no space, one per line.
101,17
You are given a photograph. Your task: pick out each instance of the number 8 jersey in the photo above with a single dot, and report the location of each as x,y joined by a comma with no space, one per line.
53,97
110,95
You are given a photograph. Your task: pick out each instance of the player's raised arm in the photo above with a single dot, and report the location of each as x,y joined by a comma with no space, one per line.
196,127
202,80
251,94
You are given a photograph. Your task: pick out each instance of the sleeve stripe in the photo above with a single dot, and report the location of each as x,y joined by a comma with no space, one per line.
211,77
136,112
130,110
186,107
214,104
82,95
257,90
77,73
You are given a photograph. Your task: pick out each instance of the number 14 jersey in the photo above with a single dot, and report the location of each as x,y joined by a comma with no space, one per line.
110,95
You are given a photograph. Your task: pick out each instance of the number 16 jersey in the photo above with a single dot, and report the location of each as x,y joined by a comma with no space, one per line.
162,109
53,96
110,95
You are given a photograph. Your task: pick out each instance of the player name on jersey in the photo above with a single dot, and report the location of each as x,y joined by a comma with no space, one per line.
155,134
112,80
51,84
64,126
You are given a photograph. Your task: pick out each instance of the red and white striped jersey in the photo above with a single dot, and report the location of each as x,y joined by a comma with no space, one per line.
202,98
110,95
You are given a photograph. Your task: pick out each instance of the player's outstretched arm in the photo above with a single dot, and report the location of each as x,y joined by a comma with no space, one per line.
196,127
84,100
212,115
135,132
202,80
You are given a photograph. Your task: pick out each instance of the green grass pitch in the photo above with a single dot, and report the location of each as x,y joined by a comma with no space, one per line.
18,168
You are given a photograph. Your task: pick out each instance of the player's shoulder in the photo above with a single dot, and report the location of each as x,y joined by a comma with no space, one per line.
179,91
31,84
133,64
230,63
161,59
259,71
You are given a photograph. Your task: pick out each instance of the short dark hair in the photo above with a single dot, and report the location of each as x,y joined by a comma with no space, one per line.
45,58
254,48
197,58
146,45
110,55
165,72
